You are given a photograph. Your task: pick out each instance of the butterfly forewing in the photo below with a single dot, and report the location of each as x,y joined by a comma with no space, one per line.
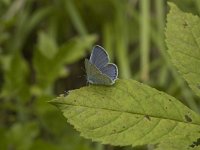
99,57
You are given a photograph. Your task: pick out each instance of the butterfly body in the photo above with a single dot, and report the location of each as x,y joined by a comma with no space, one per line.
98,70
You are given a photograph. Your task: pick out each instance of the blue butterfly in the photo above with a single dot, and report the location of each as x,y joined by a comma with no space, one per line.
98,68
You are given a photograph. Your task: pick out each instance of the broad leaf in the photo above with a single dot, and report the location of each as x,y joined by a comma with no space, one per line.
183,42
129,113
50,69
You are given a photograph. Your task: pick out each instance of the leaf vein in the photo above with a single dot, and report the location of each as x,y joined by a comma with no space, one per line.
196,58
172,129
133,113
112,120
128,128
150,131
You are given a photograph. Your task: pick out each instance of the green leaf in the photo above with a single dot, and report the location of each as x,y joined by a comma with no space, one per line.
129,113
183,42
47,45
50,69
76,48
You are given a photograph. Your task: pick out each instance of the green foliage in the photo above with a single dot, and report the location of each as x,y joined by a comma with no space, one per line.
47,45
183,41
31,60
129,113
49,63
16,74
43,45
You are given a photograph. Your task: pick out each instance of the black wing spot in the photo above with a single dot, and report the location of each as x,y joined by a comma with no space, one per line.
188,119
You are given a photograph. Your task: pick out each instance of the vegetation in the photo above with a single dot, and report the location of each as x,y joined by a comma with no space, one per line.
43,45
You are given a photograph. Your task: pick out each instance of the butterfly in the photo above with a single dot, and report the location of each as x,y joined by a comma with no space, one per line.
98,69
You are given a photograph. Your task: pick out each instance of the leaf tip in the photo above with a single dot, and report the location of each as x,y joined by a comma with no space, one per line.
173,8
57,100
53,102
171,5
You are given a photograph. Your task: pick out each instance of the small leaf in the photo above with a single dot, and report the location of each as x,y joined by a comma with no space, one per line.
183,42
47,45
129,113
76,48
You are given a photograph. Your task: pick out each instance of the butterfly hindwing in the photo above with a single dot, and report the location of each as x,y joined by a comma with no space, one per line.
110,70
100,79
91,69
95,76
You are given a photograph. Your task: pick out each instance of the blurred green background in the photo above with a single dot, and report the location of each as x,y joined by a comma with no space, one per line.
43,44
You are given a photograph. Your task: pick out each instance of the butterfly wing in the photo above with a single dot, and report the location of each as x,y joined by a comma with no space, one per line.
110,70
94,75
100,79
99,57
91,69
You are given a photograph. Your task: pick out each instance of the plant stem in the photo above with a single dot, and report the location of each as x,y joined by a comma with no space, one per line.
121,34
75,17
144,39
